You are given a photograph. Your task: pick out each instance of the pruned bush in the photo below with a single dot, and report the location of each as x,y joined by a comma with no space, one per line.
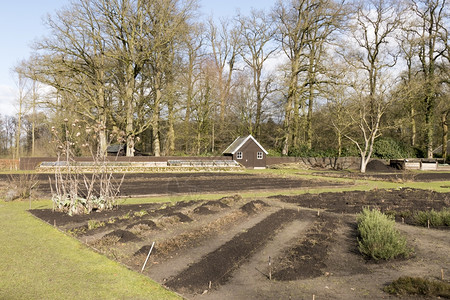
378,238
436,218
389,148
418,286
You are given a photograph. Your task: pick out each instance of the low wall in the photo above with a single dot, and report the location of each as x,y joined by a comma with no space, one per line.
337,163
31,163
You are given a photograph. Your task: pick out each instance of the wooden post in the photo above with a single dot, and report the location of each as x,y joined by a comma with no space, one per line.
442,274
149,252
270,269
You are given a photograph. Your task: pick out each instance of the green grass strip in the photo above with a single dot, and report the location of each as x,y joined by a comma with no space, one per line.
39,262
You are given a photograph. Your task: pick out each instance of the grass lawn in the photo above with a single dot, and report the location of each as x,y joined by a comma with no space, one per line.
39,262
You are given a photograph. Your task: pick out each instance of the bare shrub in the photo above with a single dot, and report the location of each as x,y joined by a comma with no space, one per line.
73,190
21,186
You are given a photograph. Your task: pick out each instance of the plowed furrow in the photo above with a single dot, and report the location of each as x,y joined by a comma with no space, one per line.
216,267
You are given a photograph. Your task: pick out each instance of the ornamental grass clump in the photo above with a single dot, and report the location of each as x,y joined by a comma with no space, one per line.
378,238
433,218
418,286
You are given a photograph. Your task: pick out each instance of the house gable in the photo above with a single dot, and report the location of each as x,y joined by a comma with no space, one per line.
248,152
240,142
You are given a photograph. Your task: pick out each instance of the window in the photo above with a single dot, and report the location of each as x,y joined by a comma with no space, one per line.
259,155
239,155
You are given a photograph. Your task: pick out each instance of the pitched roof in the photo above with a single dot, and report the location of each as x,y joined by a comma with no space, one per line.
239,142
115,148
438,150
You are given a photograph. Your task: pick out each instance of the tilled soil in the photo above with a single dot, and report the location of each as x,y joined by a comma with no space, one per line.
392,175
141,184
221,249
396,200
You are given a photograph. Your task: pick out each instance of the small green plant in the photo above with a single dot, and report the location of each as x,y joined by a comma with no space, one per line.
435,218
125,216
418,286
140,213
378,237
92,224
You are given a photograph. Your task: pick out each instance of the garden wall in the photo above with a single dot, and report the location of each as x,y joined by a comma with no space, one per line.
30,163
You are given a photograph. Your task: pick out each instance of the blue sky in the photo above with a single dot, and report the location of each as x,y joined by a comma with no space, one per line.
22,22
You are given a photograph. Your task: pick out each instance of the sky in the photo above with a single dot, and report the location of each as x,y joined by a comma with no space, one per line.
22,22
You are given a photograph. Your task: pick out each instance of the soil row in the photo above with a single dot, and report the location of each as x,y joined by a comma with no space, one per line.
216,267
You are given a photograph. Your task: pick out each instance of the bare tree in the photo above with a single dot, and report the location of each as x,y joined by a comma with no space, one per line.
194,44
225,44
258,32
303,28
72,60
374,27
431,31
23,90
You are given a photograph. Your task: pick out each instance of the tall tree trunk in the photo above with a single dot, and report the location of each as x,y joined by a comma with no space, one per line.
103,144
413,126
259,100
444,135
289,124
171,122
129,110
429,132
309,116
155,117
33,121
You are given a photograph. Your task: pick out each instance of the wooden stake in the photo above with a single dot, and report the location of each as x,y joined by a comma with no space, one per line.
209,285
270,269
318,212
442,274
403,220
428,224
149,252
314,297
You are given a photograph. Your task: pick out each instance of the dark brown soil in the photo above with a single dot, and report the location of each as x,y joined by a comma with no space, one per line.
181,183
398,200
220,249
378,166
305,259
216,267
390,174
123,236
